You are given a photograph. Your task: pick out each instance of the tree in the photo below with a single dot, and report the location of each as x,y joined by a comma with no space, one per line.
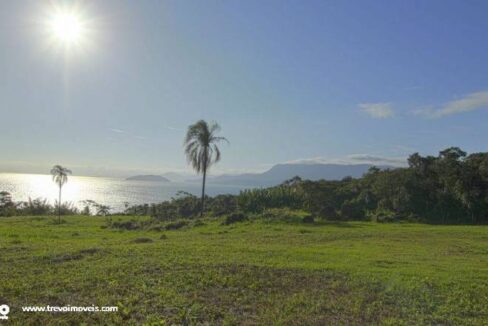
60,177
202,151
103,210
7,206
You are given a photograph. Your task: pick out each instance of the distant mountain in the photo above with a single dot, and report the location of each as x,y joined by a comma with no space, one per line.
176,177
157,178
281,172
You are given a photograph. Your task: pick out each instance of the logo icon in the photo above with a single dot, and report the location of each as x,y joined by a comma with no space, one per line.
4,310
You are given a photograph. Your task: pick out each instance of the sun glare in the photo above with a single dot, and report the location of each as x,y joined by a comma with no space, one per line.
67,27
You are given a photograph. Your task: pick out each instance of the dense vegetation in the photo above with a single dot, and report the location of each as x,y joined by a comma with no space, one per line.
41,206
449,188
259,272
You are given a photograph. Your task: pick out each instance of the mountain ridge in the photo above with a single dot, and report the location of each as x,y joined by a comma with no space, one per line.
284,171
148,177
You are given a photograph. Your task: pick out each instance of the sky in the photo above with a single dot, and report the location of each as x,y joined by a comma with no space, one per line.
288,81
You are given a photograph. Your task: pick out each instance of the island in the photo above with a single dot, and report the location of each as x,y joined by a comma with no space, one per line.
149,177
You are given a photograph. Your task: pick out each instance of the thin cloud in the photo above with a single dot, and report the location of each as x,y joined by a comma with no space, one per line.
412,88
355,159
378,110
471,102
119,131
425,111
373,159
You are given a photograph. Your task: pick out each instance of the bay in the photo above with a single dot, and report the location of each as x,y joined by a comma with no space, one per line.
113,192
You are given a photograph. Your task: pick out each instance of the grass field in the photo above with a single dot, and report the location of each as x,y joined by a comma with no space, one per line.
245,273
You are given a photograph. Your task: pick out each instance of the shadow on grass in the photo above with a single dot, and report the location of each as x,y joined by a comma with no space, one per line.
340,224
317,223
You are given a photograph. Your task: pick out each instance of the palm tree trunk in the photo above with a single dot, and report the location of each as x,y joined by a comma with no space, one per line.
59,206
203,191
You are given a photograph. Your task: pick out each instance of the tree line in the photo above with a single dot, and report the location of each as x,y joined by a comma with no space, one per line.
451,187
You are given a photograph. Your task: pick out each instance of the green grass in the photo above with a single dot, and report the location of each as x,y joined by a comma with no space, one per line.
246,273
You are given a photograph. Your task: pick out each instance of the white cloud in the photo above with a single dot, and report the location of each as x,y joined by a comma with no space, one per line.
471,102
378,110
381,160
119,131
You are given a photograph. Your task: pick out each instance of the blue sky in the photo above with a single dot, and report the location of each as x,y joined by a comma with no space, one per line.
341,81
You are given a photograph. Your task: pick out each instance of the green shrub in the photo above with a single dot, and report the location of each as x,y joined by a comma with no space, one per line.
125,225
282,214
176,225
382,216
257,200
198,223
222,205
155,228
235,218
308,219
7,206
352,210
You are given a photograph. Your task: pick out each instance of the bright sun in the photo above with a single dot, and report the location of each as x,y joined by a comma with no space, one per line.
67,27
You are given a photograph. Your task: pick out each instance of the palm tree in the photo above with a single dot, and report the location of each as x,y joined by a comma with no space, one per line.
103,209
60,177
201,149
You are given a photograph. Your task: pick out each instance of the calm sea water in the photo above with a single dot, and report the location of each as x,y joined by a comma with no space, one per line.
107,191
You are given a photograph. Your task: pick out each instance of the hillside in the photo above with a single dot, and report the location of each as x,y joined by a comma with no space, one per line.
156,178
281,172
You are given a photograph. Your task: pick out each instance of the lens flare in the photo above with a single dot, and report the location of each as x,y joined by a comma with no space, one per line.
67,27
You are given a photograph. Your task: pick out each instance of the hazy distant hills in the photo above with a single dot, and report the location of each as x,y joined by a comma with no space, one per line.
176,177
151,177
281,172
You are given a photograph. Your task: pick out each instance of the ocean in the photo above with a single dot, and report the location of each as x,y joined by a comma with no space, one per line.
113,192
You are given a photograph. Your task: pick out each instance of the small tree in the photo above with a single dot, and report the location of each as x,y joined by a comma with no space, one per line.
7,206
60,177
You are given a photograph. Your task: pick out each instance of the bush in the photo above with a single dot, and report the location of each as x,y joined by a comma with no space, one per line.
176,225
382,216
183,205
235,218
282,214
308,219
198,223
36,206
155,228
222,205
257,200
7,206
352,210
125,225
